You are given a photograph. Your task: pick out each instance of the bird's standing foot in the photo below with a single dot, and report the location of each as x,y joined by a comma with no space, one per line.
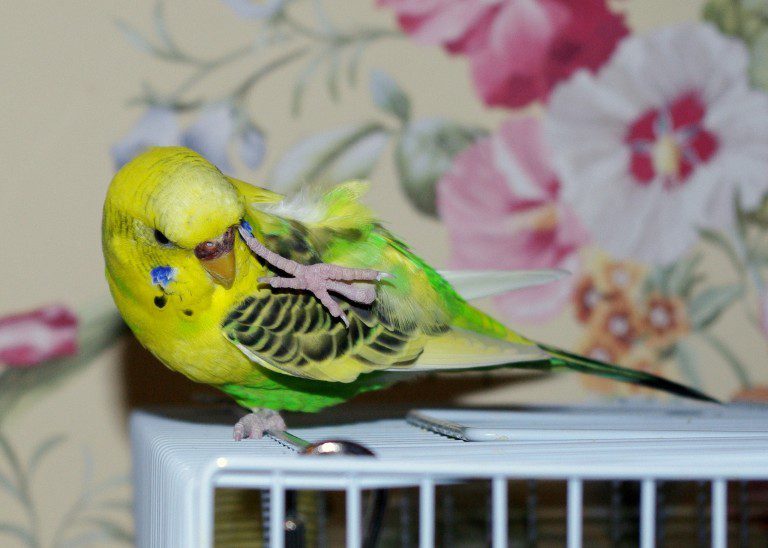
318,278
255,424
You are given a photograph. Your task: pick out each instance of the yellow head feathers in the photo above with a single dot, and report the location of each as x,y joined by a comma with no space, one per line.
178,192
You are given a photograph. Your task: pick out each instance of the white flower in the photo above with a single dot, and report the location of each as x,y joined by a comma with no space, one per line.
157,126
658,143
216,127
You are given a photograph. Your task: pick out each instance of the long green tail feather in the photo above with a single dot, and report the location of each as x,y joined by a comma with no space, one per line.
582,364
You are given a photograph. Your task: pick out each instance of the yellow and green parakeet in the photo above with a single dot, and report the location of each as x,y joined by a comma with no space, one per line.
196,262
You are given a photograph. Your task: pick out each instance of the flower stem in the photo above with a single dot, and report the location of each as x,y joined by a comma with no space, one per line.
340,38
277,63
209,67
727,354
25,494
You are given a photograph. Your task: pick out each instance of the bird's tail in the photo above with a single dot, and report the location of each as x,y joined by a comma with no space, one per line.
559,358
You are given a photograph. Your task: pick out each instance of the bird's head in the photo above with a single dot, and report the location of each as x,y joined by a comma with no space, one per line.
171,216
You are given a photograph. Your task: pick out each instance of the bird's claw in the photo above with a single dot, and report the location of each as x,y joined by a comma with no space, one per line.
321,278
254,425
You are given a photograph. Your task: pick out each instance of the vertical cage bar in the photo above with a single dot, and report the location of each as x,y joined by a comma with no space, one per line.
661,512
647,513
743,513
499,512
405,520
615,525
207,514
575,511
447,508
427,513
266,520
322,518
719,513
354,516
277,513
531,514
701,509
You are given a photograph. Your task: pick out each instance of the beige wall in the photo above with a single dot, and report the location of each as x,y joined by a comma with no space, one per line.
67,75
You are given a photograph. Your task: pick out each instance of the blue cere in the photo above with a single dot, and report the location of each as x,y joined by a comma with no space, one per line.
247,226
163,275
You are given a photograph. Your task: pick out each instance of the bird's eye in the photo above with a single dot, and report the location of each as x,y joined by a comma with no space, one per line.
161,238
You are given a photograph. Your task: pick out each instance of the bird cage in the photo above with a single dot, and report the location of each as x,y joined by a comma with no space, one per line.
534,476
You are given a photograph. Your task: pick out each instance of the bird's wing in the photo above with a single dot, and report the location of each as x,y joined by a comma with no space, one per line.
418,321
292,333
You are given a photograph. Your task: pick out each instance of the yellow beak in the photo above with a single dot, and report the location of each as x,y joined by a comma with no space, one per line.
221,269
217,257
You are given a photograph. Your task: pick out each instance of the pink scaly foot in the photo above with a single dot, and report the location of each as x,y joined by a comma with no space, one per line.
255,424
318,278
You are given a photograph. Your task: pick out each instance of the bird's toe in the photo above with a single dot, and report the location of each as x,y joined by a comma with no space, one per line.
254,425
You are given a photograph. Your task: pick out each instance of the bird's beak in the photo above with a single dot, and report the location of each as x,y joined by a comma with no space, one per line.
218,258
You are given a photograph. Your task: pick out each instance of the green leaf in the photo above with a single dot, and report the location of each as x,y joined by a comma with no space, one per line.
759,215
721,241
86,538
724,14
389,97
682,276
424,152
323,20
309,70
42,450
135,38
111,483
686,360
160,27
112,529
742,18
16,467
17,531
332,78
122,505
652,282
758,66
353,67
707,306
730,358
8,486
332,156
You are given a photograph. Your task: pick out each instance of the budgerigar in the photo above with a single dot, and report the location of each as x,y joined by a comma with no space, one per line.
226,283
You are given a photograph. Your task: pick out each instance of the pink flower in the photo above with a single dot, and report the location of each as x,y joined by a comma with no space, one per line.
518,49
501,203
32,337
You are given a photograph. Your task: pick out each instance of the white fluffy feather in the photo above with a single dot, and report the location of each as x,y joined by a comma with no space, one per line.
305,206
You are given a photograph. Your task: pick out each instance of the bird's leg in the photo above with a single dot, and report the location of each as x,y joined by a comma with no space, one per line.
255,424
318,278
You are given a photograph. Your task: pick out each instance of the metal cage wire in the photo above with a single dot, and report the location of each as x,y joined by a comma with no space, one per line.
178,464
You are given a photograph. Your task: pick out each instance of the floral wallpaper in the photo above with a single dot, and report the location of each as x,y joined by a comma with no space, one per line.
623,156
636,160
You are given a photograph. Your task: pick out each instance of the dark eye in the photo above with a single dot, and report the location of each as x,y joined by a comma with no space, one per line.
161,238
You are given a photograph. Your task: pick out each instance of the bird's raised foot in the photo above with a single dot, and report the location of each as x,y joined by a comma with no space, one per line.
321,278
254,425
318,278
